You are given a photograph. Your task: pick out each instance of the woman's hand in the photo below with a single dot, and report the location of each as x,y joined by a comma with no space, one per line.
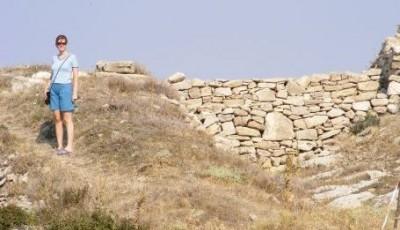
46,90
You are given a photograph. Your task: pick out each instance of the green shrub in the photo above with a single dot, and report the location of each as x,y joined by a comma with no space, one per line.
97,220
73,196
7,140
224,174
359,126
12,216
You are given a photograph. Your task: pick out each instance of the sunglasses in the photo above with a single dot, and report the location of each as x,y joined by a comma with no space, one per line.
61,43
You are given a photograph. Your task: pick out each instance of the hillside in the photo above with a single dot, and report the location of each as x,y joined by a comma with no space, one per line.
141,161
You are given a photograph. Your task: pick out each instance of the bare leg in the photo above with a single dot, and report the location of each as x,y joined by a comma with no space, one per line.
67,116
59,129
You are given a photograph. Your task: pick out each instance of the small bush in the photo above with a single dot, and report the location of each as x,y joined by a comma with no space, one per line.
73,196
224,174
13,216
99,220
359,126
6,140
5,82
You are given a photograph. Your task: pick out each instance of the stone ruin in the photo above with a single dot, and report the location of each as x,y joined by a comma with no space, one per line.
268,120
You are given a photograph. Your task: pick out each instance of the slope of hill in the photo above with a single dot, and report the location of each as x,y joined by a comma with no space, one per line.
138,157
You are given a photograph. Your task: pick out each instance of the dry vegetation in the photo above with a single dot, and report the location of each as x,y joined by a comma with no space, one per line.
23,70
137,157
376,147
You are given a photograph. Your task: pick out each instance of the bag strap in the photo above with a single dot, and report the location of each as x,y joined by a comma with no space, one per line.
58,70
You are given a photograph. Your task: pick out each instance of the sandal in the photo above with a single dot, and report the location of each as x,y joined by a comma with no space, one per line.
59,151
67,152
62,152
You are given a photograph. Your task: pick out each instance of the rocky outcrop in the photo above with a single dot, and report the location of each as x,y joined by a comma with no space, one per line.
123,69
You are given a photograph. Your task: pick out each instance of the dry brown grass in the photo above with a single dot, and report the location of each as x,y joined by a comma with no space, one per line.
23,70
7,141
136,155
5,82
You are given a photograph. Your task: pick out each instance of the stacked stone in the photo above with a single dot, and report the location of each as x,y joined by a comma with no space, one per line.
4,177
389,61
394,79
125,69
394,92
268,120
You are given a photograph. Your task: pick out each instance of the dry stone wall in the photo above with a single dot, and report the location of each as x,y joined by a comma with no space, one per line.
268,120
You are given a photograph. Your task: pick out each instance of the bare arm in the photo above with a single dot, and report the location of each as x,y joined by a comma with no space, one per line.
75,72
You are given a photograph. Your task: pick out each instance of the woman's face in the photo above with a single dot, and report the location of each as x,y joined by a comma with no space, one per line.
61,45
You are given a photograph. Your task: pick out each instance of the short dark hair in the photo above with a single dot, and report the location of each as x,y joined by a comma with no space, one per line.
62,36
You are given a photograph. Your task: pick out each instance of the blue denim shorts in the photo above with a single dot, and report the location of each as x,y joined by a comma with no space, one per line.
61,97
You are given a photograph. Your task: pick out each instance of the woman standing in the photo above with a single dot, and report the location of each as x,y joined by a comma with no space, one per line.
63,88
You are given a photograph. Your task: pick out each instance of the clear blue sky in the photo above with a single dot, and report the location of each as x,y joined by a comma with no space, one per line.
205,39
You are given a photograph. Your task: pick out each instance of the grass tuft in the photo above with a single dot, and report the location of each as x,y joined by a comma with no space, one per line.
369,120
12,216
98,219
224,174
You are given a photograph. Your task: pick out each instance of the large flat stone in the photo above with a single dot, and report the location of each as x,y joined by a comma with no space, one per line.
315,121
368,85
351,201
245,131
393,88
307,134
176,77
265,95
278,127
220,92
362,106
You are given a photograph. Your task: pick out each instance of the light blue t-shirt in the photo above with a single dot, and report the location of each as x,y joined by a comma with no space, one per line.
64,76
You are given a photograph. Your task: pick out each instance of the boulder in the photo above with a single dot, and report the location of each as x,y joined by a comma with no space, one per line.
228,128
344,92
393,108
362,106
265,95
373,72
176,77
306,145
205,91
329,134
365,96
245,131
307,134
294,100
380,102
182,85
335,112
222,91
368,86
197,83
194,92
351,201
267,145
294,89
278,127
233,83
394,78
123,67
315,121
393,88
41,75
